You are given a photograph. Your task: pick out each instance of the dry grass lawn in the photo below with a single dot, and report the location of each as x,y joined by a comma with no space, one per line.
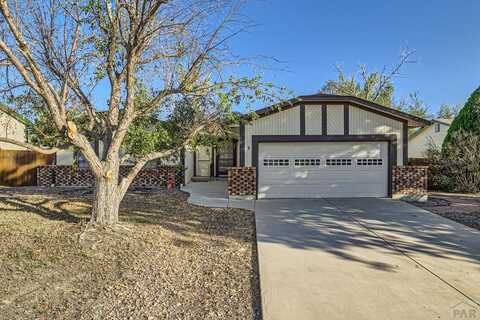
171,261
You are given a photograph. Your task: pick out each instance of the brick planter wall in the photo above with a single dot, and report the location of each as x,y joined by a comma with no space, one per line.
69,176
410,182
242,181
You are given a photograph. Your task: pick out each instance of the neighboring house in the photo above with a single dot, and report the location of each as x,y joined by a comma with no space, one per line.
11,127
313,146
420,140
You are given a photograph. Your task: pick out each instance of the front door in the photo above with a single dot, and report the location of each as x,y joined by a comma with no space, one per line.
225,158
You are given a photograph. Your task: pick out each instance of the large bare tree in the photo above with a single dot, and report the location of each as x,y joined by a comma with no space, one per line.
66,52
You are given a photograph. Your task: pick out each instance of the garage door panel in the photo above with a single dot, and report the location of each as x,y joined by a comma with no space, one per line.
314,149
323,169
324,177
323,191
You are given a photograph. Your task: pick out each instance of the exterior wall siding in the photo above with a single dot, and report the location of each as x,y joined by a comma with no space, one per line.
313,119
285,122
418,145
335,120
11,128
365,122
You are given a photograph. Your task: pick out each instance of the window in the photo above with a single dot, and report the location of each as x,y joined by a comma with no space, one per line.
437,127
369,162
276,162
307,162
339,162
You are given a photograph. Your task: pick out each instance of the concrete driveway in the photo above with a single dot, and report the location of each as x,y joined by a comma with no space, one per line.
364,259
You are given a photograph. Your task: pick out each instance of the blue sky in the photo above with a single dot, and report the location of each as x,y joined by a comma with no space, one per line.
312,36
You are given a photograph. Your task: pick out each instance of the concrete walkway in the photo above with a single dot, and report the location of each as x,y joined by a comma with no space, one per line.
215,194
364,259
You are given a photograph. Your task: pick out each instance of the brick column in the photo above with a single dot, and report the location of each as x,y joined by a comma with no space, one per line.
410,183
242,182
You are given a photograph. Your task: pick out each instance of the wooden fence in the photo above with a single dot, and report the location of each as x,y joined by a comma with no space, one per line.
19,168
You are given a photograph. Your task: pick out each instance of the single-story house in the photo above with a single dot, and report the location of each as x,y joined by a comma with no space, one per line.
313,146
434,134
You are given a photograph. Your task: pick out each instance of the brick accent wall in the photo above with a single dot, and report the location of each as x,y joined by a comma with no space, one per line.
69,176
242,181
410,182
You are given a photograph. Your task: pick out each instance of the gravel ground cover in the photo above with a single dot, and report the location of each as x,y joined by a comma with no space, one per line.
461,208
167,260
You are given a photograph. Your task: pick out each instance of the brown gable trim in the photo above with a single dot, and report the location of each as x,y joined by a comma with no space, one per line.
366,103
334,99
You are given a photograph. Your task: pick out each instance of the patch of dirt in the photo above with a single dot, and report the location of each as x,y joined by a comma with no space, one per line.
167,260
460,208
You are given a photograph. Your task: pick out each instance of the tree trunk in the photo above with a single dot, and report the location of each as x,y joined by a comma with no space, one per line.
106,201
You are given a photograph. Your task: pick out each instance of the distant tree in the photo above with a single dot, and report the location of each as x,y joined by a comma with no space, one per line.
373,86
467,120
413,105
448,112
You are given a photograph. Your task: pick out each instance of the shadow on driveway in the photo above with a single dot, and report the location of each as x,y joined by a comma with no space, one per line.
335,225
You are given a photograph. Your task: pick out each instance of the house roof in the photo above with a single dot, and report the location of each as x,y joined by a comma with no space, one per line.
413,121
446,122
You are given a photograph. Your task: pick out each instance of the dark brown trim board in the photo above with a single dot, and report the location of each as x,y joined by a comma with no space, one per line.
390,138
96,146
213,163
242,145
235,162
346,119
405,143
324,119
182,161
302,119
195,162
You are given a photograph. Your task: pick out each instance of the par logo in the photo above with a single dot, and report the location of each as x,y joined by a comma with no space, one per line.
465,311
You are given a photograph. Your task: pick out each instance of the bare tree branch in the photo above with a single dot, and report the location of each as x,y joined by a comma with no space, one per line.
33,147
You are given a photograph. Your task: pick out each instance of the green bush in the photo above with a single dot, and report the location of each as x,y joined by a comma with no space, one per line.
456,168
436,179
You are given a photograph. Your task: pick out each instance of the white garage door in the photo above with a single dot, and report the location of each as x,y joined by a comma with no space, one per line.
322,169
